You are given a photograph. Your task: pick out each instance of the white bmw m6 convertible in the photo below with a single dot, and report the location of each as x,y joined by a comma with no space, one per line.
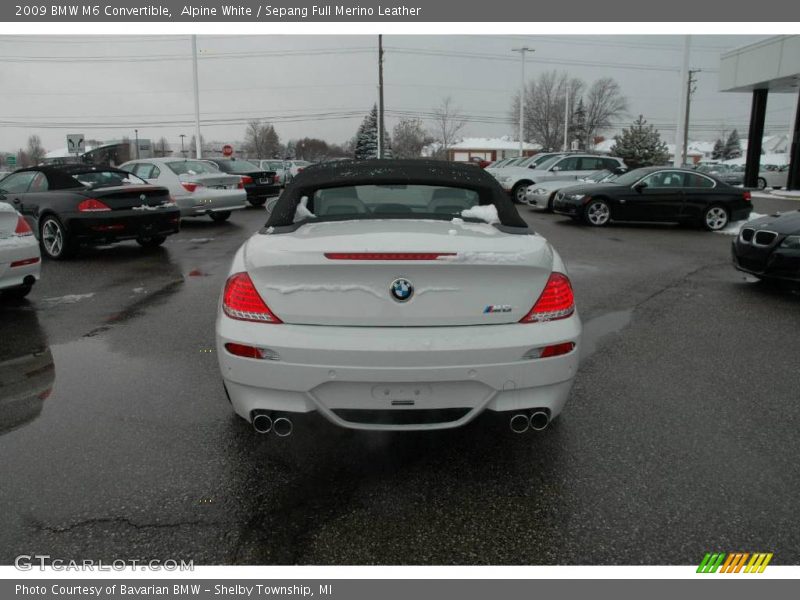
397,295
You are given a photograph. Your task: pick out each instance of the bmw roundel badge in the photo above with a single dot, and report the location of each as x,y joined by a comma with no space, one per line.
401,290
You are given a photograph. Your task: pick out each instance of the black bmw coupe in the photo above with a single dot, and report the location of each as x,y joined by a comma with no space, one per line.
72,205
656,194
769,247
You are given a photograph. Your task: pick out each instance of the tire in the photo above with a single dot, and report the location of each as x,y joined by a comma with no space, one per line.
761,183
597,213
151,241
550,200
54,239
518,192
258,202
716,218
17,293
221,216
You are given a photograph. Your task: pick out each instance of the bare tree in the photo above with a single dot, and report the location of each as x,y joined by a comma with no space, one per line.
261,140
448,123
34,152
410,138
604,101
545,108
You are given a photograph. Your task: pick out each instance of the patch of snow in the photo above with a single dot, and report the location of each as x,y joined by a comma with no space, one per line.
437,289
457,221
270,229
293,289
146,207
138,290
733,228
487,213
68,299
787,193
452,232
201,240
302,212
486,257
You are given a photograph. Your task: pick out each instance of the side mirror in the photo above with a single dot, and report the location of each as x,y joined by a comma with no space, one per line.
556,169
640,186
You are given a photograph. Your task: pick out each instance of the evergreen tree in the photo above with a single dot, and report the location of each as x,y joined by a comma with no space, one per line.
640,145
578,126
733,147
367,138
718,153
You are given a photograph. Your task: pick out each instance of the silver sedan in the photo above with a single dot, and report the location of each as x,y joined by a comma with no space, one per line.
198,187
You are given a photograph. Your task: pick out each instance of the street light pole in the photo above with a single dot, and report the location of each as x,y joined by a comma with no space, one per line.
680,132
197,144
136,133
183,152
522,52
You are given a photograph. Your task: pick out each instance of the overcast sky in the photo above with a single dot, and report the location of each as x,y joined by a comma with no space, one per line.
321,86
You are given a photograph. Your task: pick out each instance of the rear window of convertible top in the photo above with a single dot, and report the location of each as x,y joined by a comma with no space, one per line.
391,201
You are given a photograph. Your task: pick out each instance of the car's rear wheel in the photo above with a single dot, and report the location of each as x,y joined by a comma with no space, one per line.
597,213
54,239
518,192
220,216
550,201
151,241
762,183
715,218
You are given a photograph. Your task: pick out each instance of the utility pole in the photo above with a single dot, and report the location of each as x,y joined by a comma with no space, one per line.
522,52
197,144
183,152
566,117
380,96
690,89
680,132
136,134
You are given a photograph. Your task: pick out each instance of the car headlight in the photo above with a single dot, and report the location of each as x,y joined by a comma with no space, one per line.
539,191
576,196
792,242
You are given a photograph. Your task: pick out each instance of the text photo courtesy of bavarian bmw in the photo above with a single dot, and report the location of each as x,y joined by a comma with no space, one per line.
397,295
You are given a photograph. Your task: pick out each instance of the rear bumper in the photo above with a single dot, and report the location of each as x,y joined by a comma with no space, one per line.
19,249
262,192
121,225
455,372
209,200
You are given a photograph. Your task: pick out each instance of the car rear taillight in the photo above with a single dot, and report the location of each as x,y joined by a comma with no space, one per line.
23,228
557,350
747,196
93,205
241,301
556,301
190,187
245,180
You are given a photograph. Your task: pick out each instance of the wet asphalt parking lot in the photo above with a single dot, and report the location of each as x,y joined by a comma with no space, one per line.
680,437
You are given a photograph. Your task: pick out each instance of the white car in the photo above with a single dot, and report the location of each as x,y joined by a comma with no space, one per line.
20,259
198,187
773,176
560,166
397,295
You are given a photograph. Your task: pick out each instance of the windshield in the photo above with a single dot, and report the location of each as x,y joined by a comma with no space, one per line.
548,162
94,179
237,166
598,176
391,201
192,167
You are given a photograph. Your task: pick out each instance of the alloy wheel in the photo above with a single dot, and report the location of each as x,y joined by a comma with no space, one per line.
716,218
598,213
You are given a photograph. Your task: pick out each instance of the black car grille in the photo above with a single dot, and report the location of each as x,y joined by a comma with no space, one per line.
747,234
764,238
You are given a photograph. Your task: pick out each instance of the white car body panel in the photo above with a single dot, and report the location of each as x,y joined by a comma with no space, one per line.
14,248
217,192
346,344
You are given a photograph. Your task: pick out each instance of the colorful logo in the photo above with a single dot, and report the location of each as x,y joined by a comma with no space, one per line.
734,562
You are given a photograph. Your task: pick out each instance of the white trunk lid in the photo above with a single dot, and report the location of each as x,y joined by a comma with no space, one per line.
490,277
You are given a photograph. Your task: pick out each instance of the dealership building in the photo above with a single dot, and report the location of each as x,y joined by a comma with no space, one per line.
771,66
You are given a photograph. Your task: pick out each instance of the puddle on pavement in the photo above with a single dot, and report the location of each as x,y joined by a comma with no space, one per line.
594,330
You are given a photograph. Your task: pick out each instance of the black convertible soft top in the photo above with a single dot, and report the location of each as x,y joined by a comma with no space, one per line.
61,177
344,173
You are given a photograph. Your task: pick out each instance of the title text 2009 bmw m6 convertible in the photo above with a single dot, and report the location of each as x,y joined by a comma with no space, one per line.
400,295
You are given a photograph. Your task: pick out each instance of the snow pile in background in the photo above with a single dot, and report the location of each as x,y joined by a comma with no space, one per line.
302,212
487,213
733,228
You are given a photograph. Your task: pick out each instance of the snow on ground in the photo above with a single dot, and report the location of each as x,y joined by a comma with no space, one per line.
68,299
734,227
486,213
